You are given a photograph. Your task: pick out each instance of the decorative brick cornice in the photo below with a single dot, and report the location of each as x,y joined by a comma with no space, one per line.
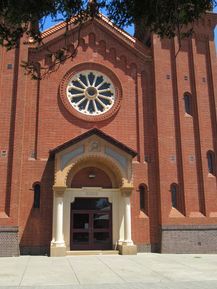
104,22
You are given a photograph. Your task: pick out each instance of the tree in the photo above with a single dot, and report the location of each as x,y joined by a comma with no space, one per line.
163,17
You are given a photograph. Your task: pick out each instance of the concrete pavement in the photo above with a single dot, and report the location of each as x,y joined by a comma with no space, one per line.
144,271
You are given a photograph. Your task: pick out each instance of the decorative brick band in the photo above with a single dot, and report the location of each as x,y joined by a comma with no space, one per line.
9,242
8,229
189,227
189,239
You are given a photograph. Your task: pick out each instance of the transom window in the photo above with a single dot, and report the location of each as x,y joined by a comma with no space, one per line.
91,92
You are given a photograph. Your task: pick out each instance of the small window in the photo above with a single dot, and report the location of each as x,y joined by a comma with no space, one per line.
37,192
143,198
9,66
188,103
211,162
174,195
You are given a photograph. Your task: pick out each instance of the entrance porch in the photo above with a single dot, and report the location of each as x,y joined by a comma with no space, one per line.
92,207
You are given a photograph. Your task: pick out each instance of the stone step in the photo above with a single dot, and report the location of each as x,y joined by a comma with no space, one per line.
92,252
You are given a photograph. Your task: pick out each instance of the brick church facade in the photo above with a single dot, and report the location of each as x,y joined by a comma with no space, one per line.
114,149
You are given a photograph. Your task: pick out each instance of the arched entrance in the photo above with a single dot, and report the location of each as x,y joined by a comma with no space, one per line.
93,184
91,218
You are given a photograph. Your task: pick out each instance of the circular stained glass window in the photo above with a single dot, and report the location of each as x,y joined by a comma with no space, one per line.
91,92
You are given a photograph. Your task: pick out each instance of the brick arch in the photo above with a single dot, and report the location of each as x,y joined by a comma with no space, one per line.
91,176
107,165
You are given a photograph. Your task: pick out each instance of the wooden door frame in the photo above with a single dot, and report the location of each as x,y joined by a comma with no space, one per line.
91,230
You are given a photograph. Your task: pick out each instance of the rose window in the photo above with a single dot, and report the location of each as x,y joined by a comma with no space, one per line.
91,92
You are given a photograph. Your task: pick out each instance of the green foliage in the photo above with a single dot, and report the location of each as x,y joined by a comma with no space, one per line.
163,17
26,16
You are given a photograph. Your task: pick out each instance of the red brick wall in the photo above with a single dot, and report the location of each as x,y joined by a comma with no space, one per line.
151,120
184,140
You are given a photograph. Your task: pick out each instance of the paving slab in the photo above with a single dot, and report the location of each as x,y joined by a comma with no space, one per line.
129,271
12,270
144,271
50,271
141,285
95,271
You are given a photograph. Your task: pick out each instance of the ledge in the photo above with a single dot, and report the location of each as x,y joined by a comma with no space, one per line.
188,227
9,229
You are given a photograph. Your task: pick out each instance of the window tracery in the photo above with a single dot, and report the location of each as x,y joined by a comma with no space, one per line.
91,93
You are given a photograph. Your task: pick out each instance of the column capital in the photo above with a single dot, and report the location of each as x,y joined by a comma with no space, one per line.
126,191
59,189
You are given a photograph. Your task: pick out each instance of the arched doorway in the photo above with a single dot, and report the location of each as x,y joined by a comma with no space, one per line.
91,217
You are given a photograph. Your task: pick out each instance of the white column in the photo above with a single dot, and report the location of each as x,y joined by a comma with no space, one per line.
127,219
59,219
58,247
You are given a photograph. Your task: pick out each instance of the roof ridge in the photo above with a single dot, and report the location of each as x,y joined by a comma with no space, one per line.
88,133
102,17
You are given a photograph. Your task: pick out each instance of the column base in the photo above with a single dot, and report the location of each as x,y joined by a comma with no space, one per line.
127,243
57,249
127,249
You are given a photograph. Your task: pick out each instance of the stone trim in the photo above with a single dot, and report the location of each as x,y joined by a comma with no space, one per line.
9,229
189,227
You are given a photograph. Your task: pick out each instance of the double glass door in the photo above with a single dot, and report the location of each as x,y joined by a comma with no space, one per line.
91,224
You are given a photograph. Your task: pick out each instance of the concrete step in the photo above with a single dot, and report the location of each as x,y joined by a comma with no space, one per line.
92,252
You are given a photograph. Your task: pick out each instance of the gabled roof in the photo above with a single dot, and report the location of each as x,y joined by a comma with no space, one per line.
89,133
101,19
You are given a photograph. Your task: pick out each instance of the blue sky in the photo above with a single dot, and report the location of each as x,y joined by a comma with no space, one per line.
215,31
129,29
